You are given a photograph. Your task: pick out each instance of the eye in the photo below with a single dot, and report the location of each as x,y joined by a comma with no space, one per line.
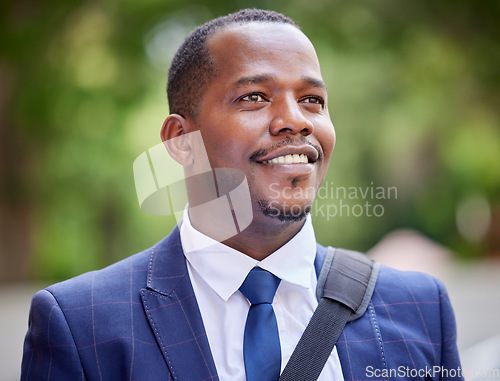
313,100
253,97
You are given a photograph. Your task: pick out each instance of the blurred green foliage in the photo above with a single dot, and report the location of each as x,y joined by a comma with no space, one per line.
414,95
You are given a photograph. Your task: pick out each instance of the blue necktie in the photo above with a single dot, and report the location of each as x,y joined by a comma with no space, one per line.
261,344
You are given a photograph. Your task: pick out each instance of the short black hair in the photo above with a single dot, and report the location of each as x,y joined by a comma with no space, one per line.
192,68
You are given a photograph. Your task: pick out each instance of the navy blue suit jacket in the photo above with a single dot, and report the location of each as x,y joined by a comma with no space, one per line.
138,319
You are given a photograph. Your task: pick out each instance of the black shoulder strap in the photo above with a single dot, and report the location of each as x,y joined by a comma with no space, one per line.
345,287
348,277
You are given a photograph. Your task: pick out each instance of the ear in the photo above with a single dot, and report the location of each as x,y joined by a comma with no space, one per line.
174,136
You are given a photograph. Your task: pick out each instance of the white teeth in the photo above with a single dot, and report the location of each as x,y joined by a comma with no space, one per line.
289,159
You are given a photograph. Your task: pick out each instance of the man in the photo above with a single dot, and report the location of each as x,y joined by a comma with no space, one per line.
251,84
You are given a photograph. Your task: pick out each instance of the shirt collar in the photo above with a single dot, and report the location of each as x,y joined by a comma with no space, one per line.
224,269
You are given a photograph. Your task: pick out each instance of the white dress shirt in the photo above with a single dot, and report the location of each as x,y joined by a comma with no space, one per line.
217,271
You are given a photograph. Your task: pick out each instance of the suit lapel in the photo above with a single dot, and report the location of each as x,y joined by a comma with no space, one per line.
320,258
173,313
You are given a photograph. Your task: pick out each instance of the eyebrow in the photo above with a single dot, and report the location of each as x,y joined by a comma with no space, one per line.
314,82
253,80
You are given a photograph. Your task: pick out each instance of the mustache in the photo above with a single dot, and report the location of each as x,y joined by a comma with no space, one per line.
287,141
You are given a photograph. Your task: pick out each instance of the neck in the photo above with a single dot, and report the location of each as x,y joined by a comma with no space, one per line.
260,238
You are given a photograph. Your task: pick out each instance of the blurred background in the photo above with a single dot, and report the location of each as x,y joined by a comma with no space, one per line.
414,94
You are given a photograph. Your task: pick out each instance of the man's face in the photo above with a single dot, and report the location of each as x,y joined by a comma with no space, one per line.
266,114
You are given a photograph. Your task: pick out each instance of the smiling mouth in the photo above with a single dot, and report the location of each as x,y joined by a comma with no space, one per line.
289,159
286,153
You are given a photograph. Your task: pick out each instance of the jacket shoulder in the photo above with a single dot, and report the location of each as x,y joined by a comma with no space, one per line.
129,272
97,321
112,276
415,319
407,285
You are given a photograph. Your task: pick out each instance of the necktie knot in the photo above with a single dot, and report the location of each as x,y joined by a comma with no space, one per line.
260,286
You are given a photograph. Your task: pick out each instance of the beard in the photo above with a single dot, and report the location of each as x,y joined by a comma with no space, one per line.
283,213
270,206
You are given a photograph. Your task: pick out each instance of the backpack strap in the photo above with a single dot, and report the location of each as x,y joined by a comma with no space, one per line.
350,279
345,287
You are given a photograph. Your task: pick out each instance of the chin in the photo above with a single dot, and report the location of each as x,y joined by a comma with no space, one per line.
284,212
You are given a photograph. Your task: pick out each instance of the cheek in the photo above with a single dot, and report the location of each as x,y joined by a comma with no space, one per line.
224,150
333,140
234,138
326,138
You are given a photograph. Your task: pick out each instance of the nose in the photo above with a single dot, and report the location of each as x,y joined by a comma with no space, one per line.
288,118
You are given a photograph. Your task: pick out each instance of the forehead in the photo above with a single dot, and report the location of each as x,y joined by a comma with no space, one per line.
252,48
